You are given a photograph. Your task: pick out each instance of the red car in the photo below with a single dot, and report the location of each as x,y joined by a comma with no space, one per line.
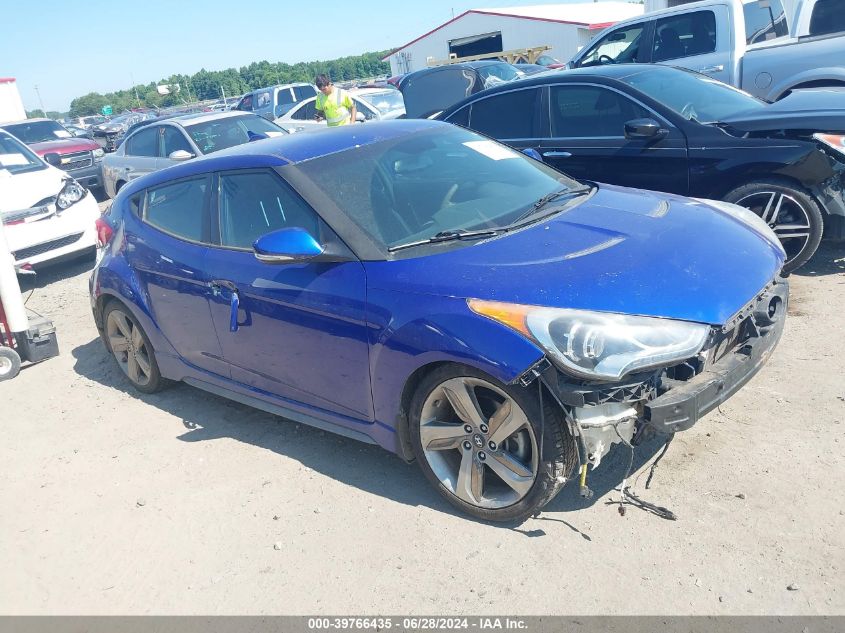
79,157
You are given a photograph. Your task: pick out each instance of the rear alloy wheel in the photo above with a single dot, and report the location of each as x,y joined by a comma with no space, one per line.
10,363
790,212
478,441
132,349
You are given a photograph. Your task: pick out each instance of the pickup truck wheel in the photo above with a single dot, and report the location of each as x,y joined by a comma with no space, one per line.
10,363
131,348
790,211
477,441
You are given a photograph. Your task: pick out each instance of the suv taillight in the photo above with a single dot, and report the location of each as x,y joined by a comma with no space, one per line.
104,232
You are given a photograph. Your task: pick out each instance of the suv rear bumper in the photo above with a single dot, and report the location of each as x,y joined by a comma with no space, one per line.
686,402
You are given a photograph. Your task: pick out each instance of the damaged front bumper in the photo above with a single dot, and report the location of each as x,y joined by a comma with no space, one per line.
672,399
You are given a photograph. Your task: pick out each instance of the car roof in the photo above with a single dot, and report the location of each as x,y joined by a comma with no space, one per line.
195,118
286,150
35,120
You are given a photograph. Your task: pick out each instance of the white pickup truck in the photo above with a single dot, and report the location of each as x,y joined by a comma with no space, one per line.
754,45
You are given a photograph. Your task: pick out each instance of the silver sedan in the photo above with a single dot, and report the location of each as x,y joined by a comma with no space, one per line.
163,143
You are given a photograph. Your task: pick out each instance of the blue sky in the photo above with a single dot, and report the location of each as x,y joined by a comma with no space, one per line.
70,49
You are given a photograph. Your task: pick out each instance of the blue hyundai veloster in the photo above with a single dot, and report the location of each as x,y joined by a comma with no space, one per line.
416,285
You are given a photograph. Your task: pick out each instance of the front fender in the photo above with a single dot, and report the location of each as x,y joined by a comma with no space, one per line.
411,331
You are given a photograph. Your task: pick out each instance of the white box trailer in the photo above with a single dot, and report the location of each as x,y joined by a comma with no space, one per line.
11,106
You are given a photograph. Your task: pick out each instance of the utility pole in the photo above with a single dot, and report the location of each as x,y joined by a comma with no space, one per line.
135,88
223,92
39,100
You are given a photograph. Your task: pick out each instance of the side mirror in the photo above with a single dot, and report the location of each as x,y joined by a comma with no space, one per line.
359,117
643,129
180,155
286,246
52,158
532,153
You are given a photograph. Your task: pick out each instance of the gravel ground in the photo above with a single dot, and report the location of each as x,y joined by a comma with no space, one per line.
183,502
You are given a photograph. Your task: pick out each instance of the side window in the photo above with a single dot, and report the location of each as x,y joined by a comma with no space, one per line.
364,109
764,20
262,100
506,116
305,112
174,140
284,97
828,17
684,35
591,111
245,104
255,203
461,117
618,47
144,143
179,208
304,92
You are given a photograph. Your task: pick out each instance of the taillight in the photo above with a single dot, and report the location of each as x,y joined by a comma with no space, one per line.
104,232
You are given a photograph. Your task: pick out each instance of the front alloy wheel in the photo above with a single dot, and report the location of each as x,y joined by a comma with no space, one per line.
477,440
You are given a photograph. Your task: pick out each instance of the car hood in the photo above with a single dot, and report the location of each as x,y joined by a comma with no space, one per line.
821,110
622,250
64,146
22,191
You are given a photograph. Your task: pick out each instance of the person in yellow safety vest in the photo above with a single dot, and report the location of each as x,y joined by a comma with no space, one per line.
333,104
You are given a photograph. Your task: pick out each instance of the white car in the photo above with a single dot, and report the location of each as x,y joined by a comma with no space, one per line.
46,214
372,104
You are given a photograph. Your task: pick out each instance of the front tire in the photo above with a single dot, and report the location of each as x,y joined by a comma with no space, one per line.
477,441
131,348
790,211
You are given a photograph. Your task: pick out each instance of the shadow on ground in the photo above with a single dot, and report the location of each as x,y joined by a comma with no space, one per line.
207,417
47,274
828,260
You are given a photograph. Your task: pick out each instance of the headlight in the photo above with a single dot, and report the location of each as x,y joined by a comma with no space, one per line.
747,217
99,152
70,194
599,345
833,141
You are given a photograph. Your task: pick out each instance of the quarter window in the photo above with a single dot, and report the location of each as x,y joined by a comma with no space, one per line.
828,17
591,111
684,35
179,208
256,203
144,143
506,116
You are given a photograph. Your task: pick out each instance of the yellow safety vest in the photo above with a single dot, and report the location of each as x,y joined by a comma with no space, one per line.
336,107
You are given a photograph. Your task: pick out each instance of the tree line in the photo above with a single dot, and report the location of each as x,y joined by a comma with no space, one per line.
207,84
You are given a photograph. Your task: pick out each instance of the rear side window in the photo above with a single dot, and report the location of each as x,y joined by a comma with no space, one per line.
179,208
256,203
764,20
506,116
828,17
143,143
684,35
591,111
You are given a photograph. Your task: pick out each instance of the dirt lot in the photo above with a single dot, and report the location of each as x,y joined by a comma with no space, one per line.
184,502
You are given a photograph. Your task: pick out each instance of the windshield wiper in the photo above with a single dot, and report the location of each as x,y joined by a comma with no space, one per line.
449,236
548,198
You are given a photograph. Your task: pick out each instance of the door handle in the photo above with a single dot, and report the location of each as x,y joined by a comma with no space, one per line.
557,154
712,69
234,301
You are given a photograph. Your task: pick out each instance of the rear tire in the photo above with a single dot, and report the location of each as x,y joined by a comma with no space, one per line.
790,211
10,363
130,347
495,471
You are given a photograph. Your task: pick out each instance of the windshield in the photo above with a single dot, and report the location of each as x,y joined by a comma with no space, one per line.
38,131
412,188
212,136
695,97
17,158
385,101
496,74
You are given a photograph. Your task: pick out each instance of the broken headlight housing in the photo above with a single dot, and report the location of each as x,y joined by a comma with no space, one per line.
71,193
599,345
